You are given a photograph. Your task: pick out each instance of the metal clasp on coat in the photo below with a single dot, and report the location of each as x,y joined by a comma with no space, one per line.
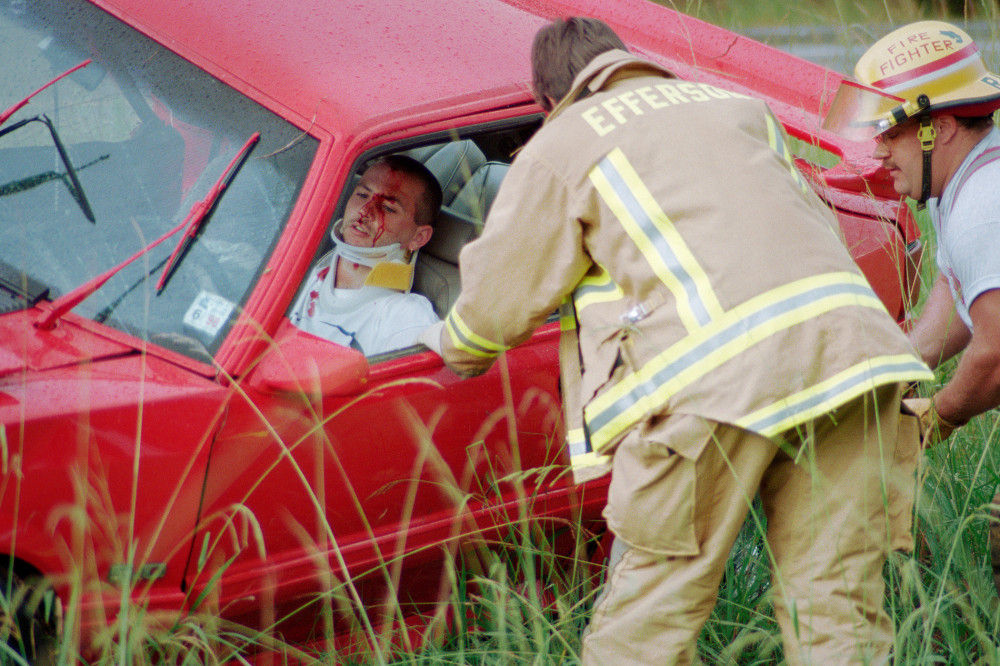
635,315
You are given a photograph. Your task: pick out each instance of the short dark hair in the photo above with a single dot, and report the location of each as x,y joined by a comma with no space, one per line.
562,49
975,123
429,203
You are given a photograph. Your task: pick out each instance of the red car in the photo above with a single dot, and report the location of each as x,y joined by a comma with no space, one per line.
168,174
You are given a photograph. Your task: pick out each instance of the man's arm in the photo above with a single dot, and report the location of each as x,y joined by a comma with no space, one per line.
939,333
515,275
975,386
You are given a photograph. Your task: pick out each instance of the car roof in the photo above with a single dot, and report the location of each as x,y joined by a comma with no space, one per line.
357,60
345,64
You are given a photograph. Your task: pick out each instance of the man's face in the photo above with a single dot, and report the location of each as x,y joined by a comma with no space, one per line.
898,149
382,211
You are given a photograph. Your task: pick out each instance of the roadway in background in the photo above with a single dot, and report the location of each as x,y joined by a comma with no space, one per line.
838,48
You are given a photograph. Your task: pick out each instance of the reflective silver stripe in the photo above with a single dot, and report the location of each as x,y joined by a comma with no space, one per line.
464,339
838,390
684,363
576,439
649,227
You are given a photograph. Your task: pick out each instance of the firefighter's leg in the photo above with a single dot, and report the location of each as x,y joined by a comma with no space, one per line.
833,515
676,519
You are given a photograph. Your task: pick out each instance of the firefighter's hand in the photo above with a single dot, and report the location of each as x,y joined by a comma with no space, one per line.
933,428
431,337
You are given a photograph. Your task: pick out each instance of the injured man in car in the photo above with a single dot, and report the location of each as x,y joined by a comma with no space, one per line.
358,294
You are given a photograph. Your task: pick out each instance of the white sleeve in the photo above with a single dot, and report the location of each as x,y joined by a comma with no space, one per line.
401,319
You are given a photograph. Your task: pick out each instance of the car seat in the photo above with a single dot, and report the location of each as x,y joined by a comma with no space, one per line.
461,221
452,163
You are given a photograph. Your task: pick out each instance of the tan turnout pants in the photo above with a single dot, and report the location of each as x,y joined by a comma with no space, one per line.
837,494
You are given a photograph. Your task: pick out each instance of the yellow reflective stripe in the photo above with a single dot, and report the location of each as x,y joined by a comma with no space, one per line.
597,289
645,390
835,391
623,191
581,457
777,141
589,459
567,315
464,339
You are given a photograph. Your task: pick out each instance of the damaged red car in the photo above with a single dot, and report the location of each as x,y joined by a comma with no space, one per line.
168,174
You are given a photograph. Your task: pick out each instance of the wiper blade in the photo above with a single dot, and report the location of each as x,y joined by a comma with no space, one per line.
68,301
74,186
31,182
14,109
202,210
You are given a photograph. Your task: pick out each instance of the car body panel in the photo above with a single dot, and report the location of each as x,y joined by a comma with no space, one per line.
250,467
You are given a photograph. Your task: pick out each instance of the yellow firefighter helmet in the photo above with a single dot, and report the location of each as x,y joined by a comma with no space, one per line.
922,67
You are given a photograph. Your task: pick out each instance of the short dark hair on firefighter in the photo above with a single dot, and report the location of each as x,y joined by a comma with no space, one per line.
976,123
563,48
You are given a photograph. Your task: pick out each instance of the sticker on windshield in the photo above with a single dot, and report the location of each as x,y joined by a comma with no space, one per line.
208,313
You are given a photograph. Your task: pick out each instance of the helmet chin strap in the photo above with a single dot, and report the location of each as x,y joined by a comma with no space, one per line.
926,134
366,256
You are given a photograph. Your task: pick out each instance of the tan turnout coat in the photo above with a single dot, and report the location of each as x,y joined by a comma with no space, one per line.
697,271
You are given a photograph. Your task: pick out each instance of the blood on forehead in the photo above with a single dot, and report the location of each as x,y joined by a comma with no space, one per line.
384,184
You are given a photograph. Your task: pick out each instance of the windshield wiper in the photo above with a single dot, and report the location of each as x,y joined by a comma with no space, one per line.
202,210
12,110
73,185
198,212
31,182
70,300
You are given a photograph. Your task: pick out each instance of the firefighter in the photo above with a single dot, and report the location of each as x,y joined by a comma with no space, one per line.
929,99
717,341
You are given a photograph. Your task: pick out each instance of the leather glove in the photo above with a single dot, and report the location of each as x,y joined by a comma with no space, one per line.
431,337
933,428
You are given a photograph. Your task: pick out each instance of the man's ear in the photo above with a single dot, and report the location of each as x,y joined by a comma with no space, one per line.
421,236
946,128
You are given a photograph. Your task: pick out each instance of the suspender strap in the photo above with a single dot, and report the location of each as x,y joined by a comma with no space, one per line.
988,156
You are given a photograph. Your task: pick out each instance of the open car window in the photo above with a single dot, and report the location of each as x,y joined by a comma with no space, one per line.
469,169
147,135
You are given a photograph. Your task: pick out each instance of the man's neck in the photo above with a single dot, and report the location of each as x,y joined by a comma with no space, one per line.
350,275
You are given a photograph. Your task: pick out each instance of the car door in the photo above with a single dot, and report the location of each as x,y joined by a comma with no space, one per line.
365,476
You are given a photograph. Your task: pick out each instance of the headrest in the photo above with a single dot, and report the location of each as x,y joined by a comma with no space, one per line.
451,232
476,196
451,163
462,221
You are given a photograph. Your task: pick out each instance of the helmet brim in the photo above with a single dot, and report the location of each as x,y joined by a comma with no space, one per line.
861,112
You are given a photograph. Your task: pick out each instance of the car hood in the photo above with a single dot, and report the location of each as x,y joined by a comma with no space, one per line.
25,348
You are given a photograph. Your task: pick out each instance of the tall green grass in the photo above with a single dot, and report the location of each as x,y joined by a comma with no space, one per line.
526,600
940,597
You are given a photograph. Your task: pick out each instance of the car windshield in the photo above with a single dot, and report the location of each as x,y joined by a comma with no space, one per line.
111,157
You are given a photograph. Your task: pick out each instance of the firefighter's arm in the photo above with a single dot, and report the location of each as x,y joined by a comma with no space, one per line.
975,386
939,333
514,276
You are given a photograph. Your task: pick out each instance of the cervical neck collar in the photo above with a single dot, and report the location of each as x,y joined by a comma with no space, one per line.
392,267
366,256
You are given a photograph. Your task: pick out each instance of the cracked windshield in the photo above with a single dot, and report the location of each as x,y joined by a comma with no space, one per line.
108,144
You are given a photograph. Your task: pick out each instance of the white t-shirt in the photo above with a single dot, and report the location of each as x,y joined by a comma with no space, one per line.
967,221
372,320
